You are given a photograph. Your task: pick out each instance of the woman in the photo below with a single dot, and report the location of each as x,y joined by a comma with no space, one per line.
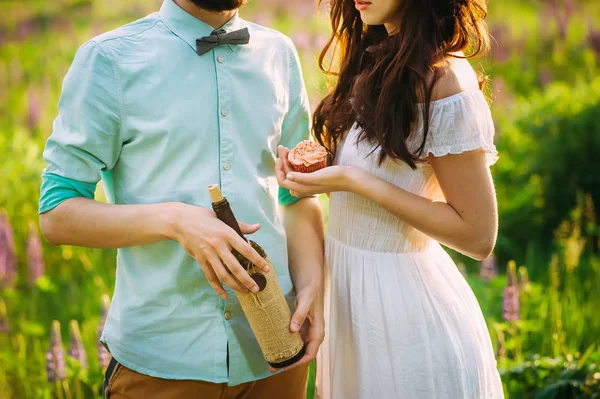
411,138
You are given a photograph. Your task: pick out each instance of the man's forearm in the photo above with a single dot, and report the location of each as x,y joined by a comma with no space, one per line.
88,223
303,223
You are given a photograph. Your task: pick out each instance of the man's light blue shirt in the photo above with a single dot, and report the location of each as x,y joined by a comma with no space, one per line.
141,111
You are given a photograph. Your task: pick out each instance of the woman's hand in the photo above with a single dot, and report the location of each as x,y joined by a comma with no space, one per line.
327,180
309,320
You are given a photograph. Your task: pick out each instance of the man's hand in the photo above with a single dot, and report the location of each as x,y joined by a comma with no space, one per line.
308,319
210,241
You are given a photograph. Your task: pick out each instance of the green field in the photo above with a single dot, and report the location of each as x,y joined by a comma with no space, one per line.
545,94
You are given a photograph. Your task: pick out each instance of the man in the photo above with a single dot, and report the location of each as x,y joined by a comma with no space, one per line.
158,110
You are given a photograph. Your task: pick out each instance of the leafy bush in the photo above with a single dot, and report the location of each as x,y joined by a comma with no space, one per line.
546,107
574,377
548,159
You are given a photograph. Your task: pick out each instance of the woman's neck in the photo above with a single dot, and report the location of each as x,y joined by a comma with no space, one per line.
393,27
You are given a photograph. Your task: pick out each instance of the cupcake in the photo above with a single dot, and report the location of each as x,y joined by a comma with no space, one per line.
308,157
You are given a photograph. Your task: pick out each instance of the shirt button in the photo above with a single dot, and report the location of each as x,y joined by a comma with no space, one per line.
227,315
226,166
224,111
220,59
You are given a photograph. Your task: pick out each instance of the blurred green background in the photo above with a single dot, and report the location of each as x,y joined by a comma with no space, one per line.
545,92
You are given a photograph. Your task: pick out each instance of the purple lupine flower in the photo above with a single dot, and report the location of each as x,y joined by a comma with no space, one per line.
263,18
510,303
561,14
304,9
55,357
76,348
500,43
488,268
501,92
3,250
103,355
301,40
324,8
545,77
319,41
23,29
50,366
34,110
594,40
4,328
8,259
16,70
570,8
550,11
35,257
510,296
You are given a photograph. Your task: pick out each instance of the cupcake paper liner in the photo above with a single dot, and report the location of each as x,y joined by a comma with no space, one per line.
309,169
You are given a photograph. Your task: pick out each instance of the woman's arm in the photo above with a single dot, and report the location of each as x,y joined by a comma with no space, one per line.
466,222
303,223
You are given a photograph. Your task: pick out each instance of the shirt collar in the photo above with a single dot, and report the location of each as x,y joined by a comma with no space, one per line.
189,28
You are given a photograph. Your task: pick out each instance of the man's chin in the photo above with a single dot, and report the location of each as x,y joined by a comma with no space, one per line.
219,5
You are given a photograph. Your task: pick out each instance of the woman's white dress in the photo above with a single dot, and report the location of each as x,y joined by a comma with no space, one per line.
402,322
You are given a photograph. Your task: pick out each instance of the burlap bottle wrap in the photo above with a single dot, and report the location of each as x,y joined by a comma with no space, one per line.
267,311
269,316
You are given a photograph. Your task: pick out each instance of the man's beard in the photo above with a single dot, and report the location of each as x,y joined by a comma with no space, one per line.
219,5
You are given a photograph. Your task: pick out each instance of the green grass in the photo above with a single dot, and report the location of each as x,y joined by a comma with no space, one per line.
558,306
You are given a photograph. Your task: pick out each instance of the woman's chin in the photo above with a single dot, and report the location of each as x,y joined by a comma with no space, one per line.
370,19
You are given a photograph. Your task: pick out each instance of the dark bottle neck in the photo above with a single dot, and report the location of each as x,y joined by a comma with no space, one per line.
225,214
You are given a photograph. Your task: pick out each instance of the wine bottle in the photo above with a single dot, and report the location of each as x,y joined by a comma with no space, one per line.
267,311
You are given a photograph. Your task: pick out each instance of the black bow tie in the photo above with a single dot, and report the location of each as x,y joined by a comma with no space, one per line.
207,43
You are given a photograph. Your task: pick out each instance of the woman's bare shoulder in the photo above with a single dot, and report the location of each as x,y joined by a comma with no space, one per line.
456,76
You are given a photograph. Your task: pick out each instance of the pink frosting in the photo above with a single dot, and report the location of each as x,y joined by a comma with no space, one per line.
307,153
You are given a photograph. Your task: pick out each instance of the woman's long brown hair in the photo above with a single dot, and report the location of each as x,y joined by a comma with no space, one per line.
382,78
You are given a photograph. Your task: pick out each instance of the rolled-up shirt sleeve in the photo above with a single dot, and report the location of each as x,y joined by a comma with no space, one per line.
85,139
296,124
